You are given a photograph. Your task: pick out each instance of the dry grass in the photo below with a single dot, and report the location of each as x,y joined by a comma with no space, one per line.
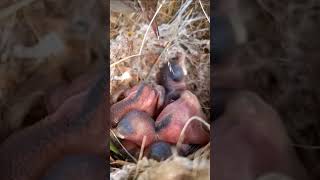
187,31
183,28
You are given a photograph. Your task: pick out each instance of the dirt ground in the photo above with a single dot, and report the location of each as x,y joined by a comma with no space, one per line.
281,59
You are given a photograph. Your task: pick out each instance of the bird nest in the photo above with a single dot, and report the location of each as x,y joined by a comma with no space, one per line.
136,54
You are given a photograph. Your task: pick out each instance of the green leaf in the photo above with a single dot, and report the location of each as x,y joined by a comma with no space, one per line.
114,149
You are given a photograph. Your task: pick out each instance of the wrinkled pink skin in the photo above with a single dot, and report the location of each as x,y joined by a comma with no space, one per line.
145,100
160,98
181,110
140,124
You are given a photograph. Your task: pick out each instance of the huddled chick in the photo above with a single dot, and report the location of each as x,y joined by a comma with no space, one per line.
158,114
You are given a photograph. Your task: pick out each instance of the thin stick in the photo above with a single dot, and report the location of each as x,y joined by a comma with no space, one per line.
140,156
135,160
119,162
121,60
150,24
204,11
144,38
14,8
142,147
187,124
111,159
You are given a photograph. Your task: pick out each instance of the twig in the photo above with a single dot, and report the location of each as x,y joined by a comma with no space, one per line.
204,11
14,8
121,60
135,160
145,35
144,38
180,140
111,159
142,147
140,156
119,162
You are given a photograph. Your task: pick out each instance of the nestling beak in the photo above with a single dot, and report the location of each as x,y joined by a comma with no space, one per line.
136,125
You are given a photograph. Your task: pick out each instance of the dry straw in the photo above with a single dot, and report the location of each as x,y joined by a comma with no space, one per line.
184,27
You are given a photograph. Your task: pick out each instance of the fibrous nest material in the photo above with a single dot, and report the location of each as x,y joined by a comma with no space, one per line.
187,31
174,168
184,28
